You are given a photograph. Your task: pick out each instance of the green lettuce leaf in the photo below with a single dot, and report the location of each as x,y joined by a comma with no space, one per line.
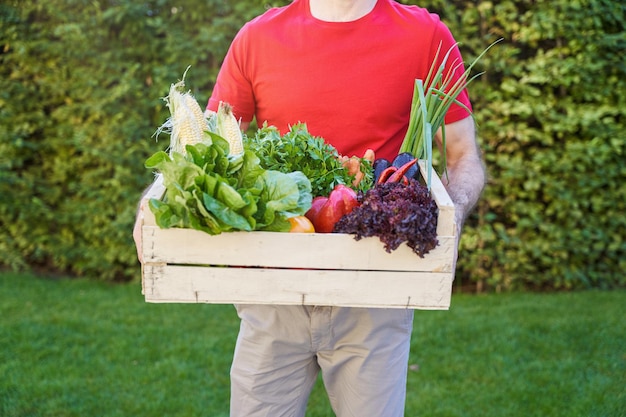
209,190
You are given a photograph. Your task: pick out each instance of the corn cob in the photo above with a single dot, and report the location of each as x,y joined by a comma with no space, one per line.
228,127
187,123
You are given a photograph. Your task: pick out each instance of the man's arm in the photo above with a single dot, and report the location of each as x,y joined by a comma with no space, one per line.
466,171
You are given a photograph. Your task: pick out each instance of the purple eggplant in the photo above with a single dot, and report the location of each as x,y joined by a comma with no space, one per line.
379,166
402,159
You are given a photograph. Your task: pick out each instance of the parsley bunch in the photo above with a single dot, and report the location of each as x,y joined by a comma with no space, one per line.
298,150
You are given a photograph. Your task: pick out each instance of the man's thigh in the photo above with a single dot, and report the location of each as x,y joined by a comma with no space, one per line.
365,368
273,368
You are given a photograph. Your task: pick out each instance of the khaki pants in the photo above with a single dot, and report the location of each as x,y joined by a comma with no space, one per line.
362,353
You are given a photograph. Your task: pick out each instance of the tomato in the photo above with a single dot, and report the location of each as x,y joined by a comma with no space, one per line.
300,224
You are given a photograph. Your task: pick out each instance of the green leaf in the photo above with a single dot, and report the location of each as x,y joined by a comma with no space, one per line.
229,219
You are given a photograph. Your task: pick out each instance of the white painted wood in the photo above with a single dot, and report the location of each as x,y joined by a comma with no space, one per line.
446,223
190,266
289,250
194,284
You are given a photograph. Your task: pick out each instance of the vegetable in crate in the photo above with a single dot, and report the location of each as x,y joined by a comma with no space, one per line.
396,213
398,173
382,165
211,183
432,98
301,224
379,166
325,212
211,191
227,126
298,150
188,125
353,164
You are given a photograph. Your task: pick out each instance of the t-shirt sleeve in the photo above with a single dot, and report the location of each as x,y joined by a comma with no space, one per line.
454,67
233,84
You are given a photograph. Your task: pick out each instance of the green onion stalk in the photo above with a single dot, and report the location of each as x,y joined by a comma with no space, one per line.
431,100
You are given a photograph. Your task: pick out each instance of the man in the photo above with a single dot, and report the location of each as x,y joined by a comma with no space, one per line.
346,68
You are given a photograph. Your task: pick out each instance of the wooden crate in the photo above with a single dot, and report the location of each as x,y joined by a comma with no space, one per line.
190,266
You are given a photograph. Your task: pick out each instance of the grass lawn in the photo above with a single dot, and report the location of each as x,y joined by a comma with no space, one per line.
84,348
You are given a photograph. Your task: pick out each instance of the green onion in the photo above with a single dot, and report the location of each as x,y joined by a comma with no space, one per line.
431,100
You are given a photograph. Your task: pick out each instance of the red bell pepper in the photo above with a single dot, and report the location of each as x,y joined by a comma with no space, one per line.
326,211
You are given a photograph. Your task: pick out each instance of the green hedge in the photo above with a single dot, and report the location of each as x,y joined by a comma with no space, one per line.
81,87
81,97
550,110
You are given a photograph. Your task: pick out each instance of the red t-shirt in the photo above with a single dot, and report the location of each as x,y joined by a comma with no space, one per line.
350,82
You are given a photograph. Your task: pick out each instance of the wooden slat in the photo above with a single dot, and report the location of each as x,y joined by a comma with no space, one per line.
189,284
289,250
446,223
